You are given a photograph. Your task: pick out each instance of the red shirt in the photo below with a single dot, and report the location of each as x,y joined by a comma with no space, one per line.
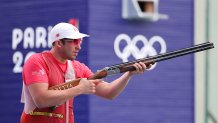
38,70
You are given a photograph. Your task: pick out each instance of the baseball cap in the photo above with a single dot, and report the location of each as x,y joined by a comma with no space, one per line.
65,30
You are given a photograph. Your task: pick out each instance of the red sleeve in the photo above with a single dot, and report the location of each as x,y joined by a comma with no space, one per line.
81,70
34,70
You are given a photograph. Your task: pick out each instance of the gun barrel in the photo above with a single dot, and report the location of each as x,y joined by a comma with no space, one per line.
185,51
160,56
127,66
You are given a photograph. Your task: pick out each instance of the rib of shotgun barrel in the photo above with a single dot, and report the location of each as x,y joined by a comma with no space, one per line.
127,66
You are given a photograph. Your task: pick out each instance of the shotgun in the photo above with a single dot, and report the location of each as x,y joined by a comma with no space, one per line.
128,66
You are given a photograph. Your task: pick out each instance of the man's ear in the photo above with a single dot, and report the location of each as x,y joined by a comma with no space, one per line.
59,43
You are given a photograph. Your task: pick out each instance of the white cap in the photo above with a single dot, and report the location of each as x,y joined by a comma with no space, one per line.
65,30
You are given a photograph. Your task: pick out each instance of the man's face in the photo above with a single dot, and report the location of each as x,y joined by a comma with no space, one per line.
71,48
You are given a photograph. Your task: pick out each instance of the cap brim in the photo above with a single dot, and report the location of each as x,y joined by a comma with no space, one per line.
78,35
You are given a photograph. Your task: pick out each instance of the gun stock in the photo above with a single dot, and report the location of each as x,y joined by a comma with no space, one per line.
98,75
128,66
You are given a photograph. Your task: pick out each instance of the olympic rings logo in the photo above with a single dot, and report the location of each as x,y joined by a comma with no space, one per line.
132,49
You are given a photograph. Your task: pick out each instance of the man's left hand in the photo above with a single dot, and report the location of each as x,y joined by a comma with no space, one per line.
140,68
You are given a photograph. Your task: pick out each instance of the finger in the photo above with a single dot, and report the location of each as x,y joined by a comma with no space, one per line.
93,89
83,79
93,85
144,67
140,68
150,65
97,81
135,66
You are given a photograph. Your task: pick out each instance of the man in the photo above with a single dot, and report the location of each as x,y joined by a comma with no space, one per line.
46,69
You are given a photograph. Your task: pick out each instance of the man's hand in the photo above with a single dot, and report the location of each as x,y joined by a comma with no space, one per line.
88,86
140,68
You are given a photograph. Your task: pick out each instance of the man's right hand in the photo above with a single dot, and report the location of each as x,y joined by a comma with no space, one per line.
88,86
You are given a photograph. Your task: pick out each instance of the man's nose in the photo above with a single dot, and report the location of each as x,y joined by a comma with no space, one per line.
78,46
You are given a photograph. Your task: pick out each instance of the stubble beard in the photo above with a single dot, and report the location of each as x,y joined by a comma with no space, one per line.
70,56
